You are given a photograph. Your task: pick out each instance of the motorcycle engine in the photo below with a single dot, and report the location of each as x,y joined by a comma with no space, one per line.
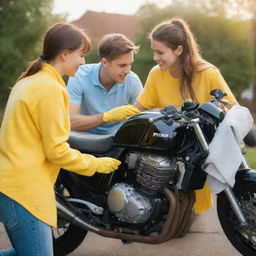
153,173
128,205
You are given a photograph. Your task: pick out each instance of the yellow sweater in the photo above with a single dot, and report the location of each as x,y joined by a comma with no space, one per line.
161,90
33,143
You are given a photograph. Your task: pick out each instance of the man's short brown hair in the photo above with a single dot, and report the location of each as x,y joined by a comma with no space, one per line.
113,45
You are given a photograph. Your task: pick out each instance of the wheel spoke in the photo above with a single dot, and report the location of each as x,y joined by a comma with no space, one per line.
248,205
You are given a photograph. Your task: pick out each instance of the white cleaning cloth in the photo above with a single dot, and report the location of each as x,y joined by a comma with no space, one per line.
225,154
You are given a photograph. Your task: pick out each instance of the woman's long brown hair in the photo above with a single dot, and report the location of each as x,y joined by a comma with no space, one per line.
175,33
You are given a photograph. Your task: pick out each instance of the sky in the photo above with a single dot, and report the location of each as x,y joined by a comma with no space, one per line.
76,8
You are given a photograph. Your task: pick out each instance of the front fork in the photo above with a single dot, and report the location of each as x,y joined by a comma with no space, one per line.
228,190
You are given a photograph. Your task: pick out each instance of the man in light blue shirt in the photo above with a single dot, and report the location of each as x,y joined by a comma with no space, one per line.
98,88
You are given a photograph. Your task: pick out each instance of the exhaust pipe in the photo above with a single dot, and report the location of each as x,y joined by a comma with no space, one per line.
171,226
69,213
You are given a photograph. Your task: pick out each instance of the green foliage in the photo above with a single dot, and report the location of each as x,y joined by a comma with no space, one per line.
93,56
22,25
251,157
225,42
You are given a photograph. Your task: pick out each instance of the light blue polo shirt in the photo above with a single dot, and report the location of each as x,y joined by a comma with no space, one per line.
86,90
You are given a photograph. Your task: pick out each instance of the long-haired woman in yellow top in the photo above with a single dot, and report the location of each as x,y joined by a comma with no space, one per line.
180,74
33,144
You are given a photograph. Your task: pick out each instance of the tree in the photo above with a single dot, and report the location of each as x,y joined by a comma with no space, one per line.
21,27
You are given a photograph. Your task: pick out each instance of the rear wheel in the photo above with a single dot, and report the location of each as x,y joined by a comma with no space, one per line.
67,237
242,238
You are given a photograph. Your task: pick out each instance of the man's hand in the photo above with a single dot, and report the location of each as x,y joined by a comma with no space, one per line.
120,113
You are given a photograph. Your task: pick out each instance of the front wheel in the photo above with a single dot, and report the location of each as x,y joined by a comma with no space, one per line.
242,238
67,237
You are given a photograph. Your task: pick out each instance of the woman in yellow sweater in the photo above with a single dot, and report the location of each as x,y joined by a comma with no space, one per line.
180,74
33,144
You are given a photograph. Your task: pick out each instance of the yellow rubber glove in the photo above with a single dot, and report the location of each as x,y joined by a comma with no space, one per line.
99,164
120,113
107,164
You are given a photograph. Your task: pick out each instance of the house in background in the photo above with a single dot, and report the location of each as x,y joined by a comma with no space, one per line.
98,24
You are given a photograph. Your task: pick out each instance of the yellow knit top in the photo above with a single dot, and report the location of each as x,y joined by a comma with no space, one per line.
33,143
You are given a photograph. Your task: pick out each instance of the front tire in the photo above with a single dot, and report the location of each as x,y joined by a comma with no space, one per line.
67,237
66,241
243,239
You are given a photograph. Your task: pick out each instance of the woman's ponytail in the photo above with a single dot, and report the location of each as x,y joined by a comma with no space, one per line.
33,68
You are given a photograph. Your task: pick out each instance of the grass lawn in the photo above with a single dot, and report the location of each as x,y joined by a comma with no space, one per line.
251,157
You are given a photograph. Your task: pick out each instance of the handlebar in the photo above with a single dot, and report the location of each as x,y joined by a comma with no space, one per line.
189,111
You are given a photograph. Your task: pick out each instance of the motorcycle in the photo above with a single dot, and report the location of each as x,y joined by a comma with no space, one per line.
150,198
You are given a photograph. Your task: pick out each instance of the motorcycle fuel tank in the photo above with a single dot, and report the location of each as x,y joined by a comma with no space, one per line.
149,130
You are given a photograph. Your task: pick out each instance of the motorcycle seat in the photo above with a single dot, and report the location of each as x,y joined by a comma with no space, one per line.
91,143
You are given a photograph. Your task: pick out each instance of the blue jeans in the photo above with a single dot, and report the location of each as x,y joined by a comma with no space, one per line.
28,235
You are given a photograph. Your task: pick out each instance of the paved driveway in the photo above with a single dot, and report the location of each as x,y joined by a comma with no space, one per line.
206,238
